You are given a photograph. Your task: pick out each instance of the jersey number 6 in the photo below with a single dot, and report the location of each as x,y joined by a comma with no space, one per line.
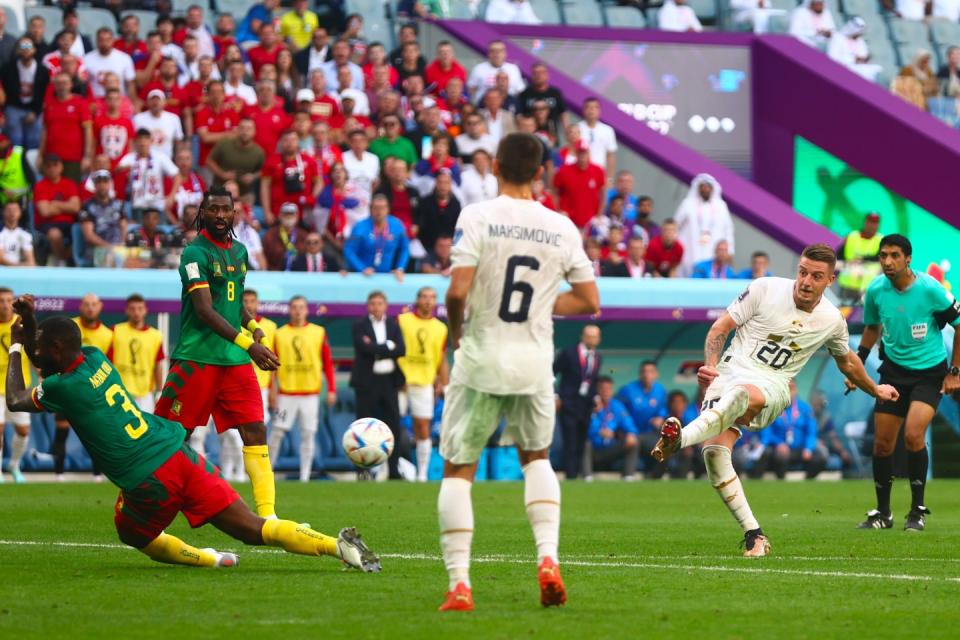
525,289
128,407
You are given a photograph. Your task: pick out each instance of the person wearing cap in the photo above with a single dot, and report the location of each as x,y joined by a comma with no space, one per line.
24,82
297,26
580,187
283,241
378,244
16,174
165,128
176,99
859,259
56,202
289,176
105,58
67,129
102,221
238,157
147,171
392,143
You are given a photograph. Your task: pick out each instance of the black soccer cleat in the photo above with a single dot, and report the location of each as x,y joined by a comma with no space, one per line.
916,520
876,520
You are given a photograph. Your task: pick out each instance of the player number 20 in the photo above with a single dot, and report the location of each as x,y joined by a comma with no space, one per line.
231,291
127,405
773,355
510,287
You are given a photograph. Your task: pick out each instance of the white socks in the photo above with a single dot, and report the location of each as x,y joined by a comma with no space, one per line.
712,422
308,445
541,495
17,449
725,480
198,437
231,456
456,528
274,442
424,449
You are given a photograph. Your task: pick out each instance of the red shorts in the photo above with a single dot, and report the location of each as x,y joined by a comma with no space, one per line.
187,483
195,391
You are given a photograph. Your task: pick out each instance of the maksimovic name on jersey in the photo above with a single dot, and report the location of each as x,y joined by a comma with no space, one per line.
519,232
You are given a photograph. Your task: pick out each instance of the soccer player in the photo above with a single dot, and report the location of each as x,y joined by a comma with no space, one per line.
425,368
20,420
305,353
137,353
780,323
510,256
909,309
211,371
158,474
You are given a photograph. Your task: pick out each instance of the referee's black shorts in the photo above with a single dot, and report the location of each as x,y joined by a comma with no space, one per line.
914,385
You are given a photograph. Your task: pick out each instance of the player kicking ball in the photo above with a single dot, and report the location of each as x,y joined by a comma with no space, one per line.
780,323
910,308
158,474
509,258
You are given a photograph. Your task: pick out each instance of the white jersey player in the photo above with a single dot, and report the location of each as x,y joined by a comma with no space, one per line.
779,324
510,257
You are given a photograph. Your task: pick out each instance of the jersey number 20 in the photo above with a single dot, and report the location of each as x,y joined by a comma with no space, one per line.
510,286
773,355
127,405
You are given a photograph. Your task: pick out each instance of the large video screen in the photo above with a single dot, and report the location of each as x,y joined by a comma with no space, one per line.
697,94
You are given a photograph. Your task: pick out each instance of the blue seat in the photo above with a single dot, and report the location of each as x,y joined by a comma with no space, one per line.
78,246
627,17
582,12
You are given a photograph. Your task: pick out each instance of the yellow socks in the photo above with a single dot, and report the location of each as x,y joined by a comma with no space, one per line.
173,550
256,460
298,538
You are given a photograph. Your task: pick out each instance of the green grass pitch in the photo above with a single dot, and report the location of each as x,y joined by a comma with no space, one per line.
650,559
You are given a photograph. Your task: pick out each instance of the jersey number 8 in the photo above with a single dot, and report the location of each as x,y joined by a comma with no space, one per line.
510,286
128,407
231,291
774,356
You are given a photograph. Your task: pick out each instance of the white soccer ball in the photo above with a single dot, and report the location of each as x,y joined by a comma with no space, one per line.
368,442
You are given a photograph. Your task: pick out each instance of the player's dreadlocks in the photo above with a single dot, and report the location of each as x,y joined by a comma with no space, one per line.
213,192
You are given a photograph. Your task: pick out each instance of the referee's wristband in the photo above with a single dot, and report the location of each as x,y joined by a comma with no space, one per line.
243,341
863,353
16,347
252,326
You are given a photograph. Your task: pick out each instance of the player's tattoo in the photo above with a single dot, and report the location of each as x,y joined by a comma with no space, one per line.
713,348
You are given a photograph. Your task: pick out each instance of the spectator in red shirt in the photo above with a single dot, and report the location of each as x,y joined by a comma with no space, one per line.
323,107
665,251
190,187
403,198
266,52
112,131
67,129
111,82
129,41
224,37
376,58
269,117
324,152
215,121
289,176
541,195
634,265
196,88
56,202
440,71
580,187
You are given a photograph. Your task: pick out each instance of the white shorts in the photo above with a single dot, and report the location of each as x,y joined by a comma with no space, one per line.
776,393
265,396
289,408
146,403
419,399
470,417
19,418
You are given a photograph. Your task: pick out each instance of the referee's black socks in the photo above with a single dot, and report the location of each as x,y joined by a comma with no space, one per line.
883,481
917,465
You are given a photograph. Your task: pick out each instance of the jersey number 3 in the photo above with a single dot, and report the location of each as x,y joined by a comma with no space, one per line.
127,405
510,286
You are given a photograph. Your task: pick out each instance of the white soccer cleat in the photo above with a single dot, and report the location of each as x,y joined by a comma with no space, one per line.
18,476
353,552
755,544
225,560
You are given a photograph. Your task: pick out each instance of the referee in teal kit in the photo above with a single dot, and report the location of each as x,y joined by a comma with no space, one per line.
911,308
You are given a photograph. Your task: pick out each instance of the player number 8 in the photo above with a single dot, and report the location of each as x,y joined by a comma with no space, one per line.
128,407
231,291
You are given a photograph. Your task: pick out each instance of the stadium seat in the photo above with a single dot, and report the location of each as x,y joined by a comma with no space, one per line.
376,25
582,12
93,19
624,17
180,6
944,34
460,11
78,246
148,20
706,10
882,53
862,8
52,15
548,11
237,8
909,32
13,21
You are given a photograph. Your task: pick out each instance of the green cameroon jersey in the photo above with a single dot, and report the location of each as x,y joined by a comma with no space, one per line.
125,444
222,268
912,319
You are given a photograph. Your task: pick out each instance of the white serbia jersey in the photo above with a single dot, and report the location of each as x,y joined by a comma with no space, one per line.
776,338
522,252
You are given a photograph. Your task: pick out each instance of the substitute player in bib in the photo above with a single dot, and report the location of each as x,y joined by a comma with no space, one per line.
158,474
510,257
779,324
137,353
305,353
909,308
425,368
20,420
210,371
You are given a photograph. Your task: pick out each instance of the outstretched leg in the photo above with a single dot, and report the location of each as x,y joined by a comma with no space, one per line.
541,495
172,550
256,460
455,510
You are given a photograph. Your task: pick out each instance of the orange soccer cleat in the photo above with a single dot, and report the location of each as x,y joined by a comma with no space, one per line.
460,599
552,591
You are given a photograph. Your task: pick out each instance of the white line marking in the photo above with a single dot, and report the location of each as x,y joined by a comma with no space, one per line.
627,562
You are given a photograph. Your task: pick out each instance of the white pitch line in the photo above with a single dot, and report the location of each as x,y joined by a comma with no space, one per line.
626,563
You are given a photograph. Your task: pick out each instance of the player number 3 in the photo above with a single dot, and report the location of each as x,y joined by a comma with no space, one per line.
128,407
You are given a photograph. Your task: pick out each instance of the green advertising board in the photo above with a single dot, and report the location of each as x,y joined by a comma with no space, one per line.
829,191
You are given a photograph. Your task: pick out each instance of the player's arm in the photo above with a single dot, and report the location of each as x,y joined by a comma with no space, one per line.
582,299
852,368
24,306
329,372
248,321
18,397
713,347
461,279
203,306
871,334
